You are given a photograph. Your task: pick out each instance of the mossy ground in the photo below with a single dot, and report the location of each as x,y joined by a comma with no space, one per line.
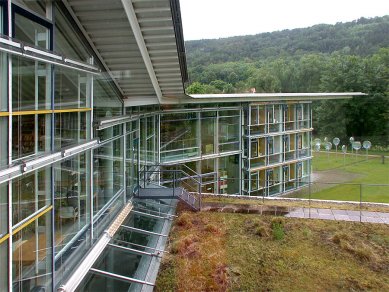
242,252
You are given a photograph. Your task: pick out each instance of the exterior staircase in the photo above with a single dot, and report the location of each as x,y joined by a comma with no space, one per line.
181,187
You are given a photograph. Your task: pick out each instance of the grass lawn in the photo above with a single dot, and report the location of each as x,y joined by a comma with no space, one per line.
371,174
241,252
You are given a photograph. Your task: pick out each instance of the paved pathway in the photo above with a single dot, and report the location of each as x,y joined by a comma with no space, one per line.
340,215
300,212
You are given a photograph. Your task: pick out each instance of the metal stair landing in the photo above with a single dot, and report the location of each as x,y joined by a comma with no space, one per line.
179,193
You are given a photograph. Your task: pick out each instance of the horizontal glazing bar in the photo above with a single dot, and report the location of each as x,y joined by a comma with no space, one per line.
42,112
131,249
4,238
151,215
155,211
14,47
119,277
142,231
26,222
143,246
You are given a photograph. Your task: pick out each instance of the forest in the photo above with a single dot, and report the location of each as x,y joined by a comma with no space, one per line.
345,57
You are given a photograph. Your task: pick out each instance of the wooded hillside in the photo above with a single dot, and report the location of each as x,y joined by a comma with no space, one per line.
351,56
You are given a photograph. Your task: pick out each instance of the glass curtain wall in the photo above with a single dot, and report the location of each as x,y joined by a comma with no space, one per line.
32,254
208,132
179,136
229,130
132,149
108,172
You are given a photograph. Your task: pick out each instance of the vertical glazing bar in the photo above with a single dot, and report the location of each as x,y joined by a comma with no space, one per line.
9,94
91,178
124,154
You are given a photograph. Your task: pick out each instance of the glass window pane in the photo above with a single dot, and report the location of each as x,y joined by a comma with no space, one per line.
3,80
31,256
93,283
30,135
3,210
106,101
32,33
208,132
72,89
72,198
179,136
71,128
124,263
4,266
108,172
3,141
30,193
30,85
67,39
37,6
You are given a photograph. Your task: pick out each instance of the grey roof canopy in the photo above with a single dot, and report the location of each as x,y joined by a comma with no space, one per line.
140,44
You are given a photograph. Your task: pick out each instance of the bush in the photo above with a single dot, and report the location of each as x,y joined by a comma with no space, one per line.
277,225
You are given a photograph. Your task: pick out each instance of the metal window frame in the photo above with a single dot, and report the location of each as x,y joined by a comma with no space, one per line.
15,9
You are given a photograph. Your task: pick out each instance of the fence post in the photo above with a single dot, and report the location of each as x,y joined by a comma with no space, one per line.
309,195
200,187
360,202
174,182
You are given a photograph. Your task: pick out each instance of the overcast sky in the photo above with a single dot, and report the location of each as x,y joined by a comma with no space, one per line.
205,19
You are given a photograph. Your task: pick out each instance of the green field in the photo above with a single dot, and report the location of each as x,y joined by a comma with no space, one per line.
352,176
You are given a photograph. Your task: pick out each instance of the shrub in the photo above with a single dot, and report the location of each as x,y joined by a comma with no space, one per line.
277,224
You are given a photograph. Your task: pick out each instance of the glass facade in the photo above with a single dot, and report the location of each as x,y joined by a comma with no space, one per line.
81,154
275,136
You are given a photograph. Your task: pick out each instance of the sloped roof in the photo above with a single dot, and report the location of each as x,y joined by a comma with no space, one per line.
140,44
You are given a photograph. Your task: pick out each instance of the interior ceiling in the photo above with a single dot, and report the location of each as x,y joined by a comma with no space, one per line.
108,28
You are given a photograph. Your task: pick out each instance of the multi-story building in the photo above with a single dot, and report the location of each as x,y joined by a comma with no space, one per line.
91,95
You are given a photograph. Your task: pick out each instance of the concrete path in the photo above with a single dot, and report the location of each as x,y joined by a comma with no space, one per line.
339,215
300,212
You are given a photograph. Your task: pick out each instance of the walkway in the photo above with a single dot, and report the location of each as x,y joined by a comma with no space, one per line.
300,212
340,215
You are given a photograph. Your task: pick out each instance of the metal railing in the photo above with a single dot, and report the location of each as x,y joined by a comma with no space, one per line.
165,183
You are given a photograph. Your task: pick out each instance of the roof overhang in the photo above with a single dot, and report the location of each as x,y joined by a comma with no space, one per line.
140,45
268,97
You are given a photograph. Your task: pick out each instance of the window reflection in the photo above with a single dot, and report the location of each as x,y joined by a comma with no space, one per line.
67,40
229,125
31,256
71,89
71,128
30,135
3,79
31,32
3,141
30,85
71,198
3,210
30,193
38,6
108,172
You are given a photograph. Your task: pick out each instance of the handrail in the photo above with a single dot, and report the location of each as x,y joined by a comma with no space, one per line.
179,183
